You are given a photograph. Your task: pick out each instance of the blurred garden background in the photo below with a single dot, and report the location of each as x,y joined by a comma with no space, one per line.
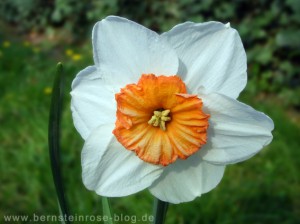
36,34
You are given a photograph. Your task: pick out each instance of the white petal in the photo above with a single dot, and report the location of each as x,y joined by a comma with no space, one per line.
211,55
124,50
92,102
185,180
236,132
111,170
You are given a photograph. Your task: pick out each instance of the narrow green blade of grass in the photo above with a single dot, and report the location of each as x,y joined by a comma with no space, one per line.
107,210
54,138
160,211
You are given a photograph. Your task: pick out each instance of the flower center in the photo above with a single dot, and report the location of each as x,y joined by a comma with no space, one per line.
160,118
153,134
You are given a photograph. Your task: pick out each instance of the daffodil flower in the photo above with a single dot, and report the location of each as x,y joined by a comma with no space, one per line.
160,111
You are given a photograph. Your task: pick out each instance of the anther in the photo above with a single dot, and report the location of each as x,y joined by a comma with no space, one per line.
159,119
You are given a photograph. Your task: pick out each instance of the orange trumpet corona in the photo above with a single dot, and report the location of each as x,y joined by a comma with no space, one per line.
159,121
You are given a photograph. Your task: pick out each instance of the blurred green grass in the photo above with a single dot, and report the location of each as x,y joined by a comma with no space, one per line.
264,189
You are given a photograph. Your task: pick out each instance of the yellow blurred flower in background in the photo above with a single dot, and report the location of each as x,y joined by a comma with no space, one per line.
36,50
47,90
72,55
26,43
6,44
76,57
69,52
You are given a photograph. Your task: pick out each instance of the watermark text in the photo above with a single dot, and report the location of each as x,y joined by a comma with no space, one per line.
79,218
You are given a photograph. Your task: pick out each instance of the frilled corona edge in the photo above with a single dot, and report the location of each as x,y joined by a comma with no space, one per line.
159,121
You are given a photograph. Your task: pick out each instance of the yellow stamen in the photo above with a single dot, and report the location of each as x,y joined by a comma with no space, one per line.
159,119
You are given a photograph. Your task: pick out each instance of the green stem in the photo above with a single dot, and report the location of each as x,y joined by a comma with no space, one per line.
54,139
160,211
107,210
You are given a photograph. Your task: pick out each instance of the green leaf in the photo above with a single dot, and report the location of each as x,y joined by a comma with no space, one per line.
54,138
288,38
160,211
107,211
